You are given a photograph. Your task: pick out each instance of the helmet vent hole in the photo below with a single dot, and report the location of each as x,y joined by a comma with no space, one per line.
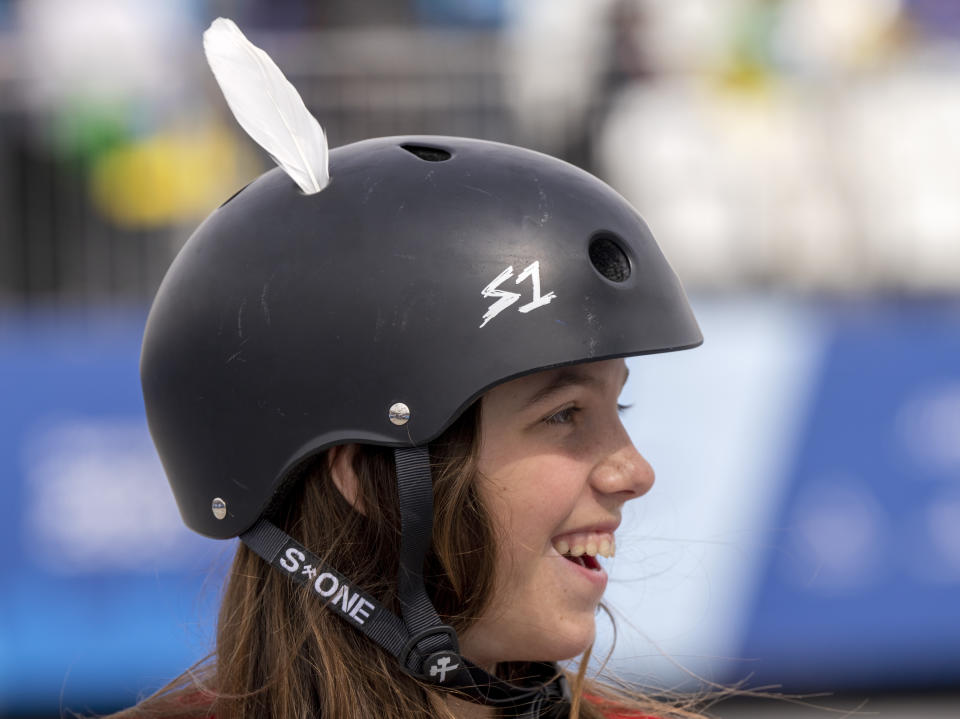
430,154
609,259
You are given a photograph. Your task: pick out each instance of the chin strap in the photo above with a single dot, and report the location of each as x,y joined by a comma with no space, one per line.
430,635
425,646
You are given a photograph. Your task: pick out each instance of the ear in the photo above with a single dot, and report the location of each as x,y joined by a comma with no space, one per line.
340,463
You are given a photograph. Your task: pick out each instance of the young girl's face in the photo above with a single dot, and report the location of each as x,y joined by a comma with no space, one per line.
556,468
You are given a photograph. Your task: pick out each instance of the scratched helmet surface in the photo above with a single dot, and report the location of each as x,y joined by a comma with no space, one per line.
429,270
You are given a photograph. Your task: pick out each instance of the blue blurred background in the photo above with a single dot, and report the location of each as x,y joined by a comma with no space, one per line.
799,162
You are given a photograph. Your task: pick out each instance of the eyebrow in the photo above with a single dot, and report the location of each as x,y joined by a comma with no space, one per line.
567,378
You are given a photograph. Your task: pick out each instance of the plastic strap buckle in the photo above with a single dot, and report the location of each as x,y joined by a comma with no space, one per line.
440,666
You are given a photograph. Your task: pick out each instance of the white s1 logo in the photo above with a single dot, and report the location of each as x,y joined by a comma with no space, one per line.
506,298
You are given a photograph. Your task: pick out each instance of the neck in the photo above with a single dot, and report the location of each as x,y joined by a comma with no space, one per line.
463,709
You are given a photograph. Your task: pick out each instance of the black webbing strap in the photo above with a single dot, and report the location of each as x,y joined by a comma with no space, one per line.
355,606
545,696
545,692
415,500
420,641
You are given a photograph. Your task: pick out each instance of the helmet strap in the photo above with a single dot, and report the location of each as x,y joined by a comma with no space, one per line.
549,691
415,500
425,646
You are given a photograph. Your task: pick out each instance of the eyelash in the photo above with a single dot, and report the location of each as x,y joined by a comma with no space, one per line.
564,416
567,414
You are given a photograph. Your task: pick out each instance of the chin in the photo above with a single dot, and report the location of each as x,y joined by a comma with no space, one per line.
487,646
572,641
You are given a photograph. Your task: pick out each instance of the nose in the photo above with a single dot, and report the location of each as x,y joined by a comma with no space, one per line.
624,472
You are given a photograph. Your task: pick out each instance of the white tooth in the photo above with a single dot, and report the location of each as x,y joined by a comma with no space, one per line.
591,549
577,550
605,548
562,546
613,548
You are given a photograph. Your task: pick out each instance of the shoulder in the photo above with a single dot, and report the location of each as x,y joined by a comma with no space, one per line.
614,710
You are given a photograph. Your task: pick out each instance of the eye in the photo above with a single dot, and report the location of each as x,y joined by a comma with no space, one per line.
621,408
564,416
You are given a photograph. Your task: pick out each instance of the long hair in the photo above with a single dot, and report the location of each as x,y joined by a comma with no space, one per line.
281,655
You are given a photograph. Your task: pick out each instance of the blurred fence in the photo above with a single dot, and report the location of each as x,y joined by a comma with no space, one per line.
815,182
378,82
56,246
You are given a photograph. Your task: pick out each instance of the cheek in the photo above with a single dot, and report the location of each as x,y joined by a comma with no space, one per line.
528,500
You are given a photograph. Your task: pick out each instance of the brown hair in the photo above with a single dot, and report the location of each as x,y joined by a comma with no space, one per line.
281,655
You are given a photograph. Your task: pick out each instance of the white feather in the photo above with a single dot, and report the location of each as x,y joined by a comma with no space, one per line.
267,106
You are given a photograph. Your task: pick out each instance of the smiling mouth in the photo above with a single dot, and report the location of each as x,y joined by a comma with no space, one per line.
584,560
583,548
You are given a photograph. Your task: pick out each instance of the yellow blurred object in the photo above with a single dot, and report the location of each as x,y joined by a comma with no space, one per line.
169,177
746,77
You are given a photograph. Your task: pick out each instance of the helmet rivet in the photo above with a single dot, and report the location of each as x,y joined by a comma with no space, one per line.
219,508
399,413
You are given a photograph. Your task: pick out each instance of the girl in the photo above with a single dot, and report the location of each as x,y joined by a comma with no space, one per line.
393,372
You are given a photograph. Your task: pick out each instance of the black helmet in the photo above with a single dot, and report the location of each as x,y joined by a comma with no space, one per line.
375,311
428,271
